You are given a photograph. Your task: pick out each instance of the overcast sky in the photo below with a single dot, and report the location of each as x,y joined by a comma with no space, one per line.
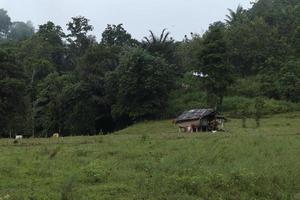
180,17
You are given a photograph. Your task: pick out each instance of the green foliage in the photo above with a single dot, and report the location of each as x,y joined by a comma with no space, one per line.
248,87
98,60
296,41
78,38
187,96
51,33
140,85
162,46
45,46
83,109
271,106
289,86
117,35
236,16
70,83
12,92
215,65
48,106
188,51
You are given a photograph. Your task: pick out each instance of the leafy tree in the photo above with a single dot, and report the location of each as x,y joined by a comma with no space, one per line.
86,108
41,55
215,63
12,91
162,45
254,47
21,31
243,111
49,107
235,16
101,59
5,23
282,14
46,44
51,33
53,36
92,68
188,52
78,38
118,36
140,85
289,86
267,87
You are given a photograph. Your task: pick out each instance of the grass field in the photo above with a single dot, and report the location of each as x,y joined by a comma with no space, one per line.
152,160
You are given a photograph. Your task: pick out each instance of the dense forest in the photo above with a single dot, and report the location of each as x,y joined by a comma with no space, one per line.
52,81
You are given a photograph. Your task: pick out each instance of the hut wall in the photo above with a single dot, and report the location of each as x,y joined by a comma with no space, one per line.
195,123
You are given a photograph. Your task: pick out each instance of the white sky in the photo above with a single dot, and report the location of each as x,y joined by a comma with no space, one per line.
180,17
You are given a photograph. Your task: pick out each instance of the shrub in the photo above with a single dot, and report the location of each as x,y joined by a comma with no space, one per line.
232,104
275,106
271,106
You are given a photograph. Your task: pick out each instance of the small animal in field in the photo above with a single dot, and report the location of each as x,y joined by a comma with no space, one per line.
19,137
55,135
17,140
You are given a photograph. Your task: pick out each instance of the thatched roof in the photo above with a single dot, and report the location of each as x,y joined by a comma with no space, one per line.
195,114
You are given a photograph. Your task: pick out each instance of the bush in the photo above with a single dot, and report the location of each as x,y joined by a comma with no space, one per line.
274,106
271,106
232,104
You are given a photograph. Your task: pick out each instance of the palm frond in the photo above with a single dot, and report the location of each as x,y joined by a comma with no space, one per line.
166,37
153,37
147,40
162,35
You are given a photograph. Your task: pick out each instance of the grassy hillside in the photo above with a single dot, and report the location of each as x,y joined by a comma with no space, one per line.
152,160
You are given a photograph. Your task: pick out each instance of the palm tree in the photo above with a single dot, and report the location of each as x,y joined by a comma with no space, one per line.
153,39
233,16
162,45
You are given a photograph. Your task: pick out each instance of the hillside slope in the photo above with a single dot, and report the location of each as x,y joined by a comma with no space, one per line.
152,160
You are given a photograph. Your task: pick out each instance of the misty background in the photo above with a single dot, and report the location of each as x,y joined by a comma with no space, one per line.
138,16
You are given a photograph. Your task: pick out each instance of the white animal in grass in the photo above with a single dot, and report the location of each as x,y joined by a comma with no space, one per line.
19,137
55,135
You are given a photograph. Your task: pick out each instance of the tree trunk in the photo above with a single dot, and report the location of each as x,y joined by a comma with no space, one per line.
220,103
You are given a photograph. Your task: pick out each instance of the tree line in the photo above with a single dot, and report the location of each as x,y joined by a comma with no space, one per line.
52,81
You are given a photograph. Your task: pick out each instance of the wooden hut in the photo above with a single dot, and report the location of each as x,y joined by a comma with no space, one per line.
198,120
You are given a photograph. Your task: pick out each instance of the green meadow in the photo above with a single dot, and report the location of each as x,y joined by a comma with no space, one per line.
152,160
